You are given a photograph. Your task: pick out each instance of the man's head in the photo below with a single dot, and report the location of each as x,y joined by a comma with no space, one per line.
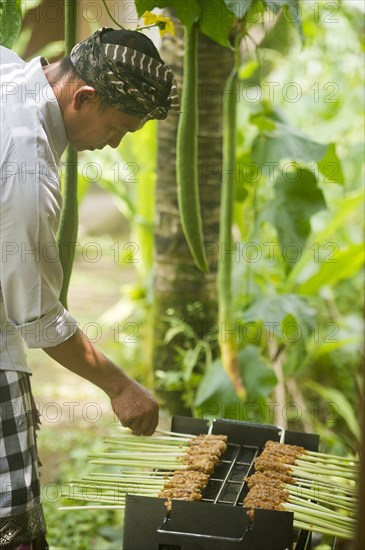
115,81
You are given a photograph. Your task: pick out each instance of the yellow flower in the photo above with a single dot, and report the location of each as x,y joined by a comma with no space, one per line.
149,18
163,23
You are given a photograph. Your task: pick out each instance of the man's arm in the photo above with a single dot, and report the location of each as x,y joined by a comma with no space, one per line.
133,404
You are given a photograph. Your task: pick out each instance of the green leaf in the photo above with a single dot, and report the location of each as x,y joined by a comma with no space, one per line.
216,21
171,333
10,21
246,70
285,142
216,389
263,123
330,166
276,5
297,198
239,7
343,264
343,406
289,328
187,11
276,311
350,208
293,14
259,379
190,360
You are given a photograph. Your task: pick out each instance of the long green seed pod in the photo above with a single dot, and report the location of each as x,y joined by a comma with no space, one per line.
187,153
227,336
67,232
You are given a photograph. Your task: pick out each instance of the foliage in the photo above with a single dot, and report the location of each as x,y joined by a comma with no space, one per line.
298,218
10,21
92,529
194,356
131,177
298,249
187,153
215,17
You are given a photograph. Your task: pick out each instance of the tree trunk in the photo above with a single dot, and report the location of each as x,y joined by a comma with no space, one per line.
179,287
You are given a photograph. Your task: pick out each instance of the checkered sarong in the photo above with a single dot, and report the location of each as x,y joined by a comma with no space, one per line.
21,513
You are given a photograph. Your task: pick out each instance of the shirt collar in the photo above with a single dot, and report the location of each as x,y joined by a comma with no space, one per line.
51,115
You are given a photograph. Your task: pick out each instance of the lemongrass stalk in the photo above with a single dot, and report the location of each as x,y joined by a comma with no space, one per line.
315,522
154,440
326,468
127,431
115,493
332,462
100,500
316,483
92,507
149,441
314,494
317,516
350,507
80,496
151,475
168,467
301,473
322,510
157,483
176,452
316,453
110,489
316,470
176,434
329,465
109,485
309,527
137,456
150,446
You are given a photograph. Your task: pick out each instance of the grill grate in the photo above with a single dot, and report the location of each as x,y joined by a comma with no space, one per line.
227,484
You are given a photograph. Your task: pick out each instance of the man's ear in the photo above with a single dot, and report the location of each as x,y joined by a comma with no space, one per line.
82,95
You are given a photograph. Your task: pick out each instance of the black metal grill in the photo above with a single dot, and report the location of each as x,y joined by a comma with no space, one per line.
227,484
219,521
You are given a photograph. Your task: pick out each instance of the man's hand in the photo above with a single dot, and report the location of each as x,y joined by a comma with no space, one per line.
136,408
133,404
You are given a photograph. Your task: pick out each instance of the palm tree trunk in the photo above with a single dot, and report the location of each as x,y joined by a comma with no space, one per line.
179,287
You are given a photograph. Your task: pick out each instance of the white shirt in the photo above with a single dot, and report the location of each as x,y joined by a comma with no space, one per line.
33,139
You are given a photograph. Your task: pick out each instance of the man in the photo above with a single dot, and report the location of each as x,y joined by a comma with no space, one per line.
111,84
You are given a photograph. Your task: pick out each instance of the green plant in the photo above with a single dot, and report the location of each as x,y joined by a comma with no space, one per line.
67,231
227,342
11,20
187,152
193,358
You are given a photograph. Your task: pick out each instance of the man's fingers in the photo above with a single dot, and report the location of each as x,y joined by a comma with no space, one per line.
139,412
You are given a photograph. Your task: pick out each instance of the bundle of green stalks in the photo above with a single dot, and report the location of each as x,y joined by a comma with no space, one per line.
291,478
170,466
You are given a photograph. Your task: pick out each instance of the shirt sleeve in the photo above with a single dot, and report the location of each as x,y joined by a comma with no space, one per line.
31,273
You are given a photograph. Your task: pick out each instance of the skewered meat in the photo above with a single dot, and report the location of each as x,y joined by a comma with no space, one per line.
261,477
284,447
201,457
262,463
198,479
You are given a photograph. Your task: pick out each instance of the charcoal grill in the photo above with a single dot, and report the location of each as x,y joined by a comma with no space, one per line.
218,522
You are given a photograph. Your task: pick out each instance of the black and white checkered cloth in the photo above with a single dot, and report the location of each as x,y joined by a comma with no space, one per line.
21,513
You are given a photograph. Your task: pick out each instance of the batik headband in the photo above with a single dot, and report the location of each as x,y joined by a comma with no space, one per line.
126,79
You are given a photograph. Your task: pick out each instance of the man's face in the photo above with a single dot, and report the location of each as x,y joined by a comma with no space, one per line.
90,126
